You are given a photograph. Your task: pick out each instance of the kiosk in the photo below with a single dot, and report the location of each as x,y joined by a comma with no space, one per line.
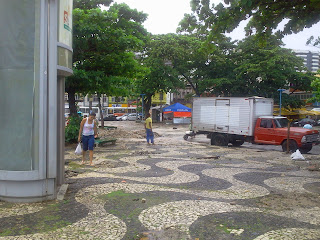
35,58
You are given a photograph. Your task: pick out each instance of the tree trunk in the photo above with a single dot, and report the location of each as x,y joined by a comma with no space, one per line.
90,103
194,86
100,108
72,103
147,104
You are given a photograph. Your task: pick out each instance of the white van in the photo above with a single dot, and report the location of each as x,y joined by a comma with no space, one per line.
85,112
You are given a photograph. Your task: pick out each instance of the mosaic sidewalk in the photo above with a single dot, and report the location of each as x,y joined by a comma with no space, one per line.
174,190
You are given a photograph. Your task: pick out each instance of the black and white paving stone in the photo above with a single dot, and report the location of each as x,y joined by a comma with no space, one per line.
175,189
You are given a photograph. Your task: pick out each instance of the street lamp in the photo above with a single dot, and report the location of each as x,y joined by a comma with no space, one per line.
280,91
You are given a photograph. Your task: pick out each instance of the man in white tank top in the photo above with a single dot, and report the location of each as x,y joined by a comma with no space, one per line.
87,133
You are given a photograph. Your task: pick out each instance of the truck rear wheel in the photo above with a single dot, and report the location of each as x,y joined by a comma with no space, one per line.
219,140
306,149
293,146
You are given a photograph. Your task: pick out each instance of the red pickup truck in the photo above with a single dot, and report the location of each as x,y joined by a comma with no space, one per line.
274,131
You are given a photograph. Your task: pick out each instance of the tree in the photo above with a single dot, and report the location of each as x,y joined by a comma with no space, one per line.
314,41
213,70
161,76
262,69
264,16
205,68
104,44
316,89
90,4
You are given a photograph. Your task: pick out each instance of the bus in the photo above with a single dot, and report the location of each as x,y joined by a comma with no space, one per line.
119,111
86,110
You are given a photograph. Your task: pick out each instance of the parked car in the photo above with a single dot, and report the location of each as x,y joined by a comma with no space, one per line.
304,121
110,118
122,117
132,117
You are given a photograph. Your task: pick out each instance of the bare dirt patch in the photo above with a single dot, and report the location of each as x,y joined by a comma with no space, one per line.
289,201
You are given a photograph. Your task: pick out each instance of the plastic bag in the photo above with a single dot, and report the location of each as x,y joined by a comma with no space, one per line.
78,150
297,155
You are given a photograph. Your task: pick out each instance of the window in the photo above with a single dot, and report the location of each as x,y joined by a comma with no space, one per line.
281,122
95,98
266,123
20,78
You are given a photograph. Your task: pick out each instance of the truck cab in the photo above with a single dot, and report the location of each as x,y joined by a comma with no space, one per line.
274,131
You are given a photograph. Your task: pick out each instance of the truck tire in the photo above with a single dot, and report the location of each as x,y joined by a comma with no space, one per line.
306,149
237,142
219,140
293,146
185,137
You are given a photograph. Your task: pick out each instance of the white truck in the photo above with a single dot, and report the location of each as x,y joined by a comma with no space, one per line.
238,119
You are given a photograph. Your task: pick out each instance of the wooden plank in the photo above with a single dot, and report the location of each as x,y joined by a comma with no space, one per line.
99,142
110,127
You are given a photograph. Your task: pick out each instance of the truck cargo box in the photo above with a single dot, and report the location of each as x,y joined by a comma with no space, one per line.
232,115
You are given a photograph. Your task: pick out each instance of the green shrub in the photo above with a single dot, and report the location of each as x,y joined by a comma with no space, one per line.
72,129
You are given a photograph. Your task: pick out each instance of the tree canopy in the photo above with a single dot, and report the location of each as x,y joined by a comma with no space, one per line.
161,76
104,45
90,4
259,65
264,16
316,89
262,69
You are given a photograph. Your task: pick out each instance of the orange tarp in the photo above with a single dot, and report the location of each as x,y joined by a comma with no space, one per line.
180,114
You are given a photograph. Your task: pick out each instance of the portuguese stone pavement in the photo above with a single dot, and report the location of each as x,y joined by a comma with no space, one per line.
174,190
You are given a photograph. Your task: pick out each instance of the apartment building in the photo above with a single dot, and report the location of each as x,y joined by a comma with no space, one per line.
310,59
183,96
312,62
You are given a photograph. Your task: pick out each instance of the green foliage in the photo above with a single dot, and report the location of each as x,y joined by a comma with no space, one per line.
177,60
264,16
161,77
213,72
289,101
72,129
257,65
89,4
263,68
314,41
316,90
104,43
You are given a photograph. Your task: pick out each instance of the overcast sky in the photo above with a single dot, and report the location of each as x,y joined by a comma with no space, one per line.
165,15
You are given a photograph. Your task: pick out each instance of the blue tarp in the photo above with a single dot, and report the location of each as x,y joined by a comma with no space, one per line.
177,107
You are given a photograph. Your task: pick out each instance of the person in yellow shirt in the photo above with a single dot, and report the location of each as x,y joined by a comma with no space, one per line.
148,127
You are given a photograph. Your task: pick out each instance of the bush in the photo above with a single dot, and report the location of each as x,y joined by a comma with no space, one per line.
72,129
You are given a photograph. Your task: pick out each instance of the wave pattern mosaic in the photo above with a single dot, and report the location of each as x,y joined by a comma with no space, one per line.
175,189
